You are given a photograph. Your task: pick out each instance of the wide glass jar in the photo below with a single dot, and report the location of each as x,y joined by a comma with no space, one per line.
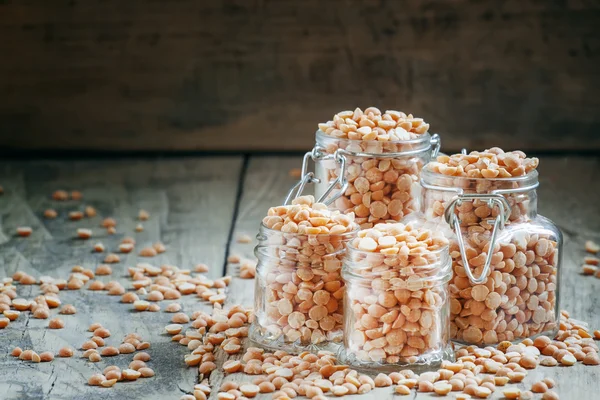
505,256
299,290
396,305
381,179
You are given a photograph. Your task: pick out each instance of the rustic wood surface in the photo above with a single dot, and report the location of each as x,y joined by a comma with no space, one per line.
195,204
191,202
160,75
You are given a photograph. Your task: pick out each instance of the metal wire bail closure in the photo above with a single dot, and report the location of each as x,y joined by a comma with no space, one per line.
499,222
318,154
339,156
436,143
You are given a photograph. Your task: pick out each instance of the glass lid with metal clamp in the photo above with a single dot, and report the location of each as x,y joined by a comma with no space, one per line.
384,155
505,256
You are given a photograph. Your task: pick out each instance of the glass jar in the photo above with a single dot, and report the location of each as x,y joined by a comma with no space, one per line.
381,180
396,309
299,290
511,291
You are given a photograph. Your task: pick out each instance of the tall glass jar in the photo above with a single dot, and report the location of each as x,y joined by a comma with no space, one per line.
396,309
299,291
381,178
505,256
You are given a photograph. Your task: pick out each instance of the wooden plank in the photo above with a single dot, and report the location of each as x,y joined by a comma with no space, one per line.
191,203
266,183
564,181
14,212
566,196
569,182
139,75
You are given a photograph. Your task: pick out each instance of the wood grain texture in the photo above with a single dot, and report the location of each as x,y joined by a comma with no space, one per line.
265,184
185,75
191,202
567,194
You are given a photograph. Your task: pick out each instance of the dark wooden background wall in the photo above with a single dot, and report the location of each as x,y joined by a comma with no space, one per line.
260,74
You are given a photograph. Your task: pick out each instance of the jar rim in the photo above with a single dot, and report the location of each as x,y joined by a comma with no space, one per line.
427,173
353,232
351,276
441,250
442,265
424,138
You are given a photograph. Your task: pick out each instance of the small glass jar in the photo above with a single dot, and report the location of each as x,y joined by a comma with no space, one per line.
511,292
396,309
382,178
299,290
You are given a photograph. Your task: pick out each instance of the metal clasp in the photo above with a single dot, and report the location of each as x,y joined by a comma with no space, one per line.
436,144
318,154
339,156
494,198
502,218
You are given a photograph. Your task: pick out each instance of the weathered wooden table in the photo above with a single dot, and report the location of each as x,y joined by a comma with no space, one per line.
198,206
